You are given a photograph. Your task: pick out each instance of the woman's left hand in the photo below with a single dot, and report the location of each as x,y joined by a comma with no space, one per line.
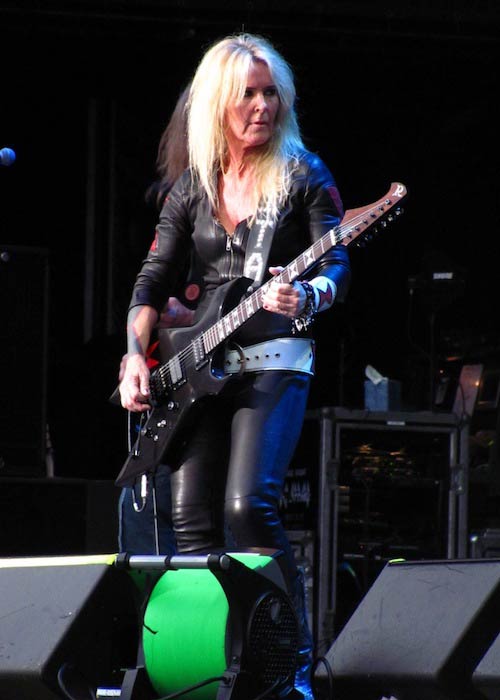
285,299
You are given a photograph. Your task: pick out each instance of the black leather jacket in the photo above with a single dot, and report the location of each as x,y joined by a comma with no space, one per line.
186,222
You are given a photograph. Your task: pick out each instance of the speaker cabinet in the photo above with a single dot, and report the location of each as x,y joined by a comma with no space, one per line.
68,627
24,291
53,517
423,631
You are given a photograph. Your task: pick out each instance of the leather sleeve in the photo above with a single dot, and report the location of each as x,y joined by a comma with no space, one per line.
324,210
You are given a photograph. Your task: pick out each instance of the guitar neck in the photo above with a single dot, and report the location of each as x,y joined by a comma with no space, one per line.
354,223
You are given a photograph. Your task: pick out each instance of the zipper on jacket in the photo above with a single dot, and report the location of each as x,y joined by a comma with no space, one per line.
229,249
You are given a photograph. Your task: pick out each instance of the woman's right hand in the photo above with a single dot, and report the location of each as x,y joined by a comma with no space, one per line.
134,384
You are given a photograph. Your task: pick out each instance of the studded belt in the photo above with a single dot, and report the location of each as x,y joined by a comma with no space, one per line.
293,354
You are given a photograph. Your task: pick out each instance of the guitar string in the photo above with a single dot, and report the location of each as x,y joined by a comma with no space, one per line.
340,232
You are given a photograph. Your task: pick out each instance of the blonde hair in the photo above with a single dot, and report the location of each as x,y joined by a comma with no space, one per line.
221,78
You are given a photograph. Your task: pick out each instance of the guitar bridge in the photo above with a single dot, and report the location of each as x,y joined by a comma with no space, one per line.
157,387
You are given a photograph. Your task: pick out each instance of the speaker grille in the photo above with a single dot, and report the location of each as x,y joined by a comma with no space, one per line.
273,638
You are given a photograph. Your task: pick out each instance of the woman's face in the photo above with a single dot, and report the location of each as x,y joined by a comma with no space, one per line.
250,122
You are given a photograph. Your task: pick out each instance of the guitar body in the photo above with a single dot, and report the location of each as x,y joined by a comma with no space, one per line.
177,404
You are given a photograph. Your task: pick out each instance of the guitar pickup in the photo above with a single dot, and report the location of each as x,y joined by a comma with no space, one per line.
200,357
175,371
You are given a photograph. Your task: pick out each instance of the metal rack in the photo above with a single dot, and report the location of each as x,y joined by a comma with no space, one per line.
332,421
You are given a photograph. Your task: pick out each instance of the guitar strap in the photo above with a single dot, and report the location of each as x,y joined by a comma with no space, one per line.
258,247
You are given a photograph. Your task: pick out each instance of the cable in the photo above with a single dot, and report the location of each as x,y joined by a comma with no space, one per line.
323,660
63,684
193,687
268,690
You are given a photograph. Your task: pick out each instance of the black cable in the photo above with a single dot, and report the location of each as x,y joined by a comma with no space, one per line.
220,678
268,690
323,660
63,687
193,687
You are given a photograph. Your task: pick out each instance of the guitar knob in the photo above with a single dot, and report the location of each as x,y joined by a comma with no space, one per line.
172,405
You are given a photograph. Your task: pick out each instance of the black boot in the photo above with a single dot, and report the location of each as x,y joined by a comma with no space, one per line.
305,650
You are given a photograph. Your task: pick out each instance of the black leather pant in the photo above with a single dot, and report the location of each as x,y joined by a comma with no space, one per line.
230,474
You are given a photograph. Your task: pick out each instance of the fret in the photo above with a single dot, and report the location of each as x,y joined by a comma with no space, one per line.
249,307
239,314
294,271
221,336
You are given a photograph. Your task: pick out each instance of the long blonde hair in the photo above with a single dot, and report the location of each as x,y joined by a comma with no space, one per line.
220,78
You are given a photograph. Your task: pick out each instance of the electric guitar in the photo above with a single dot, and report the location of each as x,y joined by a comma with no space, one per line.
195,368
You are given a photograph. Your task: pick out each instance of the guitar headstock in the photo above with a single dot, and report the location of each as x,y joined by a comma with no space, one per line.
359,226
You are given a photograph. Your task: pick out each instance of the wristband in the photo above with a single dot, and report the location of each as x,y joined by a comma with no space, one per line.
302,322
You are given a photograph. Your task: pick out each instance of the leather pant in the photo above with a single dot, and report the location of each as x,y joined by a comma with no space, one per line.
228,477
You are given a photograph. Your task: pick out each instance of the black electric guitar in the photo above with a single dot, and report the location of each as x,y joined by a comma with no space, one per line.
194,368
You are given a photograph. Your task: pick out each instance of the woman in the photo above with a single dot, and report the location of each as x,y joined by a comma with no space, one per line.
248,172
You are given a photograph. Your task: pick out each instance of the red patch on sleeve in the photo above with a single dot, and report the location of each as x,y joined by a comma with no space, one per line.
192,292
335,195
154,244
151,360
325,297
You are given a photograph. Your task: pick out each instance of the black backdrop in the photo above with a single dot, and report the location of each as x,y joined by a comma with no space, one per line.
393,94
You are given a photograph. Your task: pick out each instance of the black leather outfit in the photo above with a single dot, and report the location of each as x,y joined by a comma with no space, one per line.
234,464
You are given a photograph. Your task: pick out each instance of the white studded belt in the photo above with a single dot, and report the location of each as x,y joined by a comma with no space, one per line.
294,354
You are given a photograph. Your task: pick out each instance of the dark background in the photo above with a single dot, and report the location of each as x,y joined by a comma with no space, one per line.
405,93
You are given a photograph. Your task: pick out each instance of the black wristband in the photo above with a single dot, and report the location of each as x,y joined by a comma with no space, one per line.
302,322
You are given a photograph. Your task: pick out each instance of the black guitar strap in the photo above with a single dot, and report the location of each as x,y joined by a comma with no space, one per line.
258,247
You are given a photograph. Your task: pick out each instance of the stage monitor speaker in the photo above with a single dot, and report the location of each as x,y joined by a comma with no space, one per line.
420,633
486,677
69,625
